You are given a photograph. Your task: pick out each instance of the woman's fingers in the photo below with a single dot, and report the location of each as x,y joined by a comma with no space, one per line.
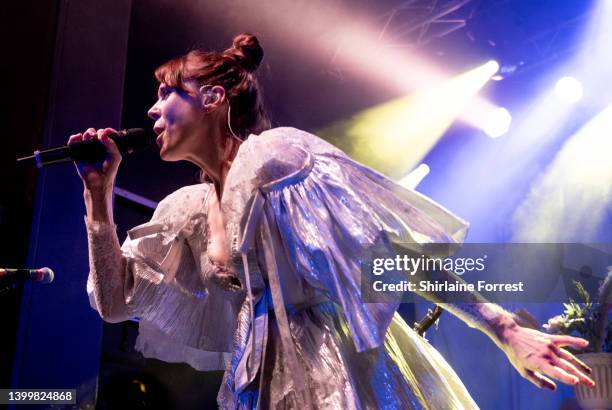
565,340
539,356
104,137
559,364
564,354
558,373
75,138
571,369
89,134
105,132
539,380
111,148
101,174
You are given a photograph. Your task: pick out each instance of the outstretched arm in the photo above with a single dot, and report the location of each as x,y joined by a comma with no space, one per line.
537,356
534,354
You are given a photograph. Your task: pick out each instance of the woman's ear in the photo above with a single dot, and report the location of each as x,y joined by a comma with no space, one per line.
212,97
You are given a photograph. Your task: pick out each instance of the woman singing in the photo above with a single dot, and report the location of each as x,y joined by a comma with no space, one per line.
257,269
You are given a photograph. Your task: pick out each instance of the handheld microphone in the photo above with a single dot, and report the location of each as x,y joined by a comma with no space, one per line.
42,275
128,141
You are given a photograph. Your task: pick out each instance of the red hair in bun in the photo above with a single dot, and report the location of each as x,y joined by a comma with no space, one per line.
233,70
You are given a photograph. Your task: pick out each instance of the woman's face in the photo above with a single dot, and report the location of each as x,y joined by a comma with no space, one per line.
179,125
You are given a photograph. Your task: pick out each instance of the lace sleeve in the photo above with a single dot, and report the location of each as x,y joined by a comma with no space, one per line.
105,284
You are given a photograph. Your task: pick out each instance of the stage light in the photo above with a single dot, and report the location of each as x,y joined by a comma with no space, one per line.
569,89
329,29
414,178
493,66
498,123
572,199
395,136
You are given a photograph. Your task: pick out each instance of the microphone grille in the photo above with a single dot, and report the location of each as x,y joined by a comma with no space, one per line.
45,275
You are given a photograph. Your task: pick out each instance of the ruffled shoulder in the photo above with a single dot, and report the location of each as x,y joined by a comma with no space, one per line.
169,289
278,154
315,211
179,217
265,158
182,203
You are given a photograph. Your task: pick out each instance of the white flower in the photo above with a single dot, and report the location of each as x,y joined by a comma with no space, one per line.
555,324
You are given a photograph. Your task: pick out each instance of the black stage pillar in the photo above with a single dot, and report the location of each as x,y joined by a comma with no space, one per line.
59,337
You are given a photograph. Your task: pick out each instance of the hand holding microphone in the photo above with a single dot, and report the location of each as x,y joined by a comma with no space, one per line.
98,176
96,153
90,150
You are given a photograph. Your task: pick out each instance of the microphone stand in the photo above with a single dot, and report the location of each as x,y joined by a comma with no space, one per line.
432,316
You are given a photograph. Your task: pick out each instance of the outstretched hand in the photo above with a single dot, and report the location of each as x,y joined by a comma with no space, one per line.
538,356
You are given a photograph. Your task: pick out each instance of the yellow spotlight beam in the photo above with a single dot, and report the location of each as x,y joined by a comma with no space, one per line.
317,27
395,136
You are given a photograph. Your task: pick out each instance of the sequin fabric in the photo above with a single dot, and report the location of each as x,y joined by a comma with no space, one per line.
295,335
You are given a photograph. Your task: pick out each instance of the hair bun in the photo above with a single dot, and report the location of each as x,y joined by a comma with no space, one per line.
247,51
